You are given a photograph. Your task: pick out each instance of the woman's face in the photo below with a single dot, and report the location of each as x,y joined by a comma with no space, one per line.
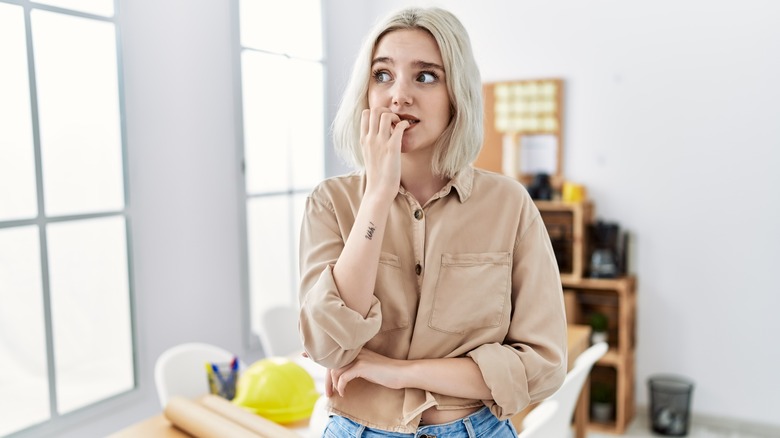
407,76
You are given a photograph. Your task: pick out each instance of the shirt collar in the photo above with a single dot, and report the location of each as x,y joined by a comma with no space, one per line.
463,181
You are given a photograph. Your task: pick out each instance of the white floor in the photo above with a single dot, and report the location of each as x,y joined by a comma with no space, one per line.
640,428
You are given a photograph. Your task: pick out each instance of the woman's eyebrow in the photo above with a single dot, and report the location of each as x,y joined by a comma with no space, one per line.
383,60
424,65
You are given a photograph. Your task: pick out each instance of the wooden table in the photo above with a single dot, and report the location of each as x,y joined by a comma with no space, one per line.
159,427
578,341
154,427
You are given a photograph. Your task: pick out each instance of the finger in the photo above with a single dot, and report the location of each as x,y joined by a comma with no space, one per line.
336,377
399,129
341,385
376,115
386,123
365,116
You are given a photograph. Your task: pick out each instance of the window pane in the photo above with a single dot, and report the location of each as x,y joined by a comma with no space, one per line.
90,310
293,27
18,199
283,123
97,7
24,382
270,254
78,105
266,138
307,117
299,206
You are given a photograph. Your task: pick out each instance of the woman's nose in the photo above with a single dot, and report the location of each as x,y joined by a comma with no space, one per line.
401,94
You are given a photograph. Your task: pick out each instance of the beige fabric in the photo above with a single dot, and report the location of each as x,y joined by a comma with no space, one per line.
488,289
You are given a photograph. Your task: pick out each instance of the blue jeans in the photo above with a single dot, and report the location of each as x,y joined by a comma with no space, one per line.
480,424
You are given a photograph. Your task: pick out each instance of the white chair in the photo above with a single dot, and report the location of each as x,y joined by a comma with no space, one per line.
538,422
180,370
279,331
279,338
567,395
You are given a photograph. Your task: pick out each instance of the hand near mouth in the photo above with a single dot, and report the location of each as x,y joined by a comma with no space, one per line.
381,132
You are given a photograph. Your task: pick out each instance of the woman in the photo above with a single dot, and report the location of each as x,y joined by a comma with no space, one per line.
429,288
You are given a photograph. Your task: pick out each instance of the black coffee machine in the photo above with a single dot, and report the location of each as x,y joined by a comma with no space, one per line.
608,250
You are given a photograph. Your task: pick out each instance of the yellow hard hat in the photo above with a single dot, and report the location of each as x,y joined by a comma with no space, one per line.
277,389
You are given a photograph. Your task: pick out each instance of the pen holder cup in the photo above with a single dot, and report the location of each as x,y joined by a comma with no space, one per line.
222,380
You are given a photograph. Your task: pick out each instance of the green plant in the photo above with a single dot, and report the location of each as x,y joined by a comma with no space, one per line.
601,393
599,322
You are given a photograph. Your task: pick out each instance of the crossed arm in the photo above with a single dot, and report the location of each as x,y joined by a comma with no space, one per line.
434,375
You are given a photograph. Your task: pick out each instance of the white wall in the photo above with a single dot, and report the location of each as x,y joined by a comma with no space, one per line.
673,124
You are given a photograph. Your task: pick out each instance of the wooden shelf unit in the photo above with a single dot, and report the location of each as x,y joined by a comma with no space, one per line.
616,298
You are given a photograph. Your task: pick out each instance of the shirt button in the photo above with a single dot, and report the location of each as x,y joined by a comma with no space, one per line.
418,269
418,214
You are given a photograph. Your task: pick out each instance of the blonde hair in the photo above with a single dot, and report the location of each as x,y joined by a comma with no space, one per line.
459,144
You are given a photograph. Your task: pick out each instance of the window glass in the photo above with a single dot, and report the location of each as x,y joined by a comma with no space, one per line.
78,107
17,160
298,207
90,310
306,110
283,122
24,382
97,7
266,133
292,27
270,254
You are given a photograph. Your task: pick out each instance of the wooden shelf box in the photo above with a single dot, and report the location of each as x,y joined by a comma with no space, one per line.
567,224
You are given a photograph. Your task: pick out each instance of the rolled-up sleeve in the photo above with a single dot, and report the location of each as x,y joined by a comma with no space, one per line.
530,364
332,333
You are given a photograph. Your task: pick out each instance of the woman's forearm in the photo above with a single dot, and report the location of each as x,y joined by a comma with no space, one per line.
355,271
456,377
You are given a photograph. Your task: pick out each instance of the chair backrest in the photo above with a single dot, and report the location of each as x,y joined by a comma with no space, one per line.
570,390
279,331
180,370
538,422
319,418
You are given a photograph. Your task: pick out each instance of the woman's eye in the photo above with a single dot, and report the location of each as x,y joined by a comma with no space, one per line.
381,76
427,77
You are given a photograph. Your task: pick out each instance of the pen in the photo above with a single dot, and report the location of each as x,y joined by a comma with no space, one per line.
219,376
210,374
233,373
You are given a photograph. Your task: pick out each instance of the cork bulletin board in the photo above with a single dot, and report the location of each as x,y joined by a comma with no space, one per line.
524,129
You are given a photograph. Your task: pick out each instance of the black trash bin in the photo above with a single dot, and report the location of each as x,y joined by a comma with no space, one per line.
670,403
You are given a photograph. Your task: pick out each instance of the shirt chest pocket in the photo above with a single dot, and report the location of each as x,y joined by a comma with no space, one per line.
389,290
471,292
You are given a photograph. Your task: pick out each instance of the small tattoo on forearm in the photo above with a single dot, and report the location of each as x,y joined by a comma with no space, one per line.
370,231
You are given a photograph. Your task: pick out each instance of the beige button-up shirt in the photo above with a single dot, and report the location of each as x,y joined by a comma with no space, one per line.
470,273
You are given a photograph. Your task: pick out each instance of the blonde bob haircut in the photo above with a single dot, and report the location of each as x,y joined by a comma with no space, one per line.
459,144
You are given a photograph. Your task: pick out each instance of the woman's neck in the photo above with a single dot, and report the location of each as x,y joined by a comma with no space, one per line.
418,179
